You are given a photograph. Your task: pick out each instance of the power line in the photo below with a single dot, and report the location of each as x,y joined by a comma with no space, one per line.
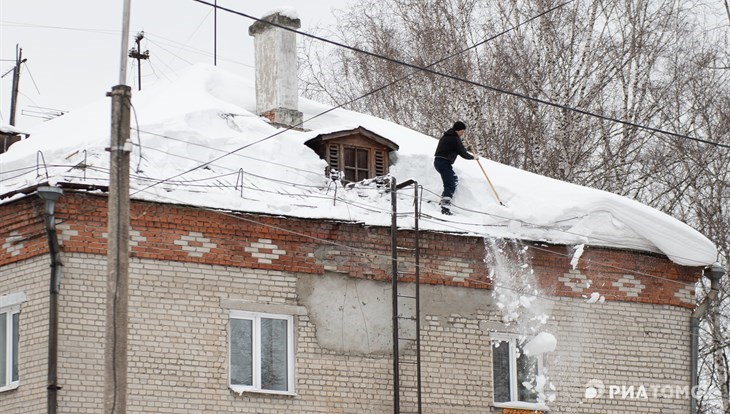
40,26
340,105
470,82
400,260
505,219
447,223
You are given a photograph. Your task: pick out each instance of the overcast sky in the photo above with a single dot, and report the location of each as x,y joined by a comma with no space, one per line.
73,47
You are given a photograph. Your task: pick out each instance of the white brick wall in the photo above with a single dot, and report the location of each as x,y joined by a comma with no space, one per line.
178,346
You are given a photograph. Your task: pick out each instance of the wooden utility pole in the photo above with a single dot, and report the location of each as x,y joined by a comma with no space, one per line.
16,83
115,356
136,53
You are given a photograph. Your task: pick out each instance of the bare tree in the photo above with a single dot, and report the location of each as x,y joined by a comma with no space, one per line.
647,62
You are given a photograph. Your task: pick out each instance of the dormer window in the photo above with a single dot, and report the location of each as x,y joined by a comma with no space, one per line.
357,154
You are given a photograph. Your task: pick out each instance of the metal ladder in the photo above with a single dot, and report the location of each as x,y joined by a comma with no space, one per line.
406,317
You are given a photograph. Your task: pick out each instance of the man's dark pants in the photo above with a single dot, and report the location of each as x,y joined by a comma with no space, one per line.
448,177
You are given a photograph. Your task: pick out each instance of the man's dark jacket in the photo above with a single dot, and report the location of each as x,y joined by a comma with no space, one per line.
450,146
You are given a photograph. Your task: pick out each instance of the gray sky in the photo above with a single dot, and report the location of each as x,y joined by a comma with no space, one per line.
73,47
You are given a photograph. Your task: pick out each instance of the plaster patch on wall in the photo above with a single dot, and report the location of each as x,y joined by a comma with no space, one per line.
354,315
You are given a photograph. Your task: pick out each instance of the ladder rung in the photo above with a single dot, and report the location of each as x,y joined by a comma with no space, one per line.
406,296
407,339
407,317
406,248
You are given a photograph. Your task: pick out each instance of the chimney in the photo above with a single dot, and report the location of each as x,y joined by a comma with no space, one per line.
277,95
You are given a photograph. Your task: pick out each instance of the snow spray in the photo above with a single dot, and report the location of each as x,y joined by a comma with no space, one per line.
524,311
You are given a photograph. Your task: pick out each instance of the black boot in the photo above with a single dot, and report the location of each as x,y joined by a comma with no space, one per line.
445,206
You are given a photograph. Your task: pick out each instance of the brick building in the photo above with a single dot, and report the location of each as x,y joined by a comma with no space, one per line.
251,303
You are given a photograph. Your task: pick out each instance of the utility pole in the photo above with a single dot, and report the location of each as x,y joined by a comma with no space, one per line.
16,83
215,33
115,356
136,53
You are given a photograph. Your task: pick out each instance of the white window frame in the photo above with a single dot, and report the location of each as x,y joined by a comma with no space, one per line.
8,312
512,340
256,317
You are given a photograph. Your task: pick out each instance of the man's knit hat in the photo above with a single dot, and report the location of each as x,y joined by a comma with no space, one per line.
459,126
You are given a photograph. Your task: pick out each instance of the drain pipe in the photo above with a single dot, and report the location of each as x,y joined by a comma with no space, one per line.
49,196
714,273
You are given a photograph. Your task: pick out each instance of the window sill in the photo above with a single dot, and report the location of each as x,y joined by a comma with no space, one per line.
10,387
519,405
240,390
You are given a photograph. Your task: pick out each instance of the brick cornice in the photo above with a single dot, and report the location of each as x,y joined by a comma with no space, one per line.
187,234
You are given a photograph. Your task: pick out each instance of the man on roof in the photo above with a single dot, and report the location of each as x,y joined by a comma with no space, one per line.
448,148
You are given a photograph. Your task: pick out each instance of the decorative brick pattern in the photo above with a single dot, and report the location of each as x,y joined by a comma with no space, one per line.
65,233
195,244
264,251
186,234
12,244
575,280
686,294
135,237
629,285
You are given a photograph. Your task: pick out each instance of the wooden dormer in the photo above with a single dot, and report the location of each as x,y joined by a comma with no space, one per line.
358,154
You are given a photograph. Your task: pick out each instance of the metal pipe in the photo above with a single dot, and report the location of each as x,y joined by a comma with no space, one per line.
418,297
49,196
125,43
394,258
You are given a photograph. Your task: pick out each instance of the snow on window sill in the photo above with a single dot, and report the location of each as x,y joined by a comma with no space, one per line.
10,387
238,389
519,405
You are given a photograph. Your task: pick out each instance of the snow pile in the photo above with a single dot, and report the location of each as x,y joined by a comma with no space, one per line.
197,141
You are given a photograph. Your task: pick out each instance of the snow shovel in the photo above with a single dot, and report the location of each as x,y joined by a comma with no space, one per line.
487,177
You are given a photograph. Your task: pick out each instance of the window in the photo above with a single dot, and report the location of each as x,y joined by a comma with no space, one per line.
9,340
353,155
513,371
261,353
357,163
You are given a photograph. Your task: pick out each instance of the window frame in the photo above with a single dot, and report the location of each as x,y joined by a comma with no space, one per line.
9,311
367,169
514,402
377,164
256,317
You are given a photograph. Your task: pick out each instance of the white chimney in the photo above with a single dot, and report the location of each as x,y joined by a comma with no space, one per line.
277,95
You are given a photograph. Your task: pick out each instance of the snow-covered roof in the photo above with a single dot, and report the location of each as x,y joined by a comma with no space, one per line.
9,129
207,112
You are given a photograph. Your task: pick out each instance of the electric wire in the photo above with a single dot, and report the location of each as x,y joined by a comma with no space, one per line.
208,163
493,215
463,80
444,222
369,253
346,103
